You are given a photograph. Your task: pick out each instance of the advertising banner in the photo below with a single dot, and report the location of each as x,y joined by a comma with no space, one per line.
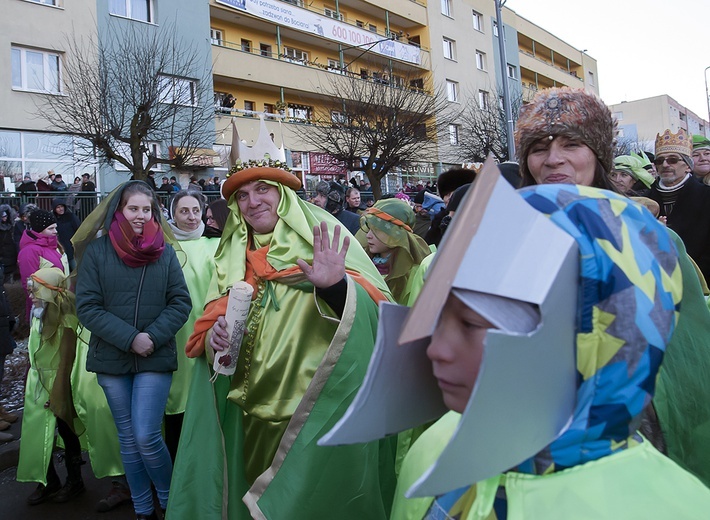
301,19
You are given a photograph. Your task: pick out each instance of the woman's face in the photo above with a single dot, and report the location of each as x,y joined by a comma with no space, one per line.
456,351
49,231
211,222
77,180
188,214
138,211
622,181
561,160
376,246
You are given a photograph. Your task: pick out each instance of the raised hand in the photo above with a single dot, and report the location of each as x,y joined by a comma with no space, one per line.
328,263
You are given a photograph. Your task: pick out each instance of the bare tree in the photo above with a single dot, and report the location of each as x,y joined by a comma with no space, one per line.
136,87
483,127
376,126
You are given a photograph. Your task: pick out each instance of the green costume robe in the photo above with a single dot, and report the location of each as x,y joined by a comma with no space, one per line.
248,443
197,270
209,482
94,425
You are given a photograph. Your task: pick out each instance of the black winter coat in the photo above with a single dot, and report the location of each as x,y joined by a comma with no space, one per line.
116,302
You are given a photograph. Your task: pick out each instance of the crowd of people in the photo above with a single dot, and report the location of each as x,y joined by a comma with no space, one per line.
532,337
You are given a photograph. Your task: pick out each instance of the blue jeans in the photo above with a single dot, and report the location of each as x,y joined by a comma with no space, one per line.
137,402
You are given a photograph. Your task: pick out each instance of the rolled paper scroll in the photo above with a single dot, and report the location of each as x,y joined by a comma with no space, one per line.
225,362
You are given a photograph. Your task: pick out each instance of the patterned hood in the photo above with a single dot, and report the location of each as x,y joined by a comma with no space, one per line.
630,292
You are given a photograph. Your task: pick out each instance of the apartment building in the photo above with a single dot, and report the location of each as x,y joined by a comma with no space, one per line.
470,65
33,39
639,121
279,58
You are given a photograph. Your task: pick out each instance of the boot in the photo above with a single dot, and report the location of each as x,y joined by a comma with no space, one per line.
119,494
44,493
7,416
4,425
152,516
6,437
74,486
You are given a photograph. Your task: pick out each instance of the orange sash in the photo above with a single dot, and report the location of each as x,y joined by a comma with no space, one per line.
257,267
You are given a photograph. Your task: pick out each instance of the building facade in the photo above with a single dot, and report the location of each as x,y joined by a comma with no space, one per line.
639,121
277,58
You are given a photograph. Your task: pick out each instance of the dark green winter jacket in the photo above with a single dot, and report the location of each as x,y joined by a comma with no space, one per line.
116,302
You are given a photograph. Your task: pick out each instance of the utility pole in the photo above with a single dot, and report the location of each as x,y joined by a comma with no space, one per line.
506,89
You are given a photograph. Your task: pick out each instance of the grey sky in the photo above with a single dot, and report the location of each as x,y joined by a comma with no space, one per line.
643,48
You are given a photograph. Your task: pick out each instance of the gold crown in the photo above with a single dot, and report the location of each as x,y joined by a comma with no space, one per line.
679,143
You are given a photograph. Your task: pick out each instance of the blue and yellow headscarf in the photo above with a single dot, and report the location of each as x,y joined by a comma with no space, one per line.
630,293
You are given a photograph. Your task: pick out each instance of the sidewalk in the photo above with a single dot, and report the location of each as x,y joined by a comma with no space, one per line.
13,494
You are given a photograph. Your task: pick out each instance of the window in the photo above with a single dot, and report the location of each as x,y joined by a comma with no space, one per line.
337,117
477,21
364,73
298,3
35,70
452,90
449,49
269,108
246,45
294,55
620,132
373,28
135,9
512,71
265,49
334,65
482,99
45,2
446,8
619,116
360,24
332,13
682,116
216,36
480,60
590,75
177,91
249,107
397,81
125,151
495,29
300,111
417,83
454,134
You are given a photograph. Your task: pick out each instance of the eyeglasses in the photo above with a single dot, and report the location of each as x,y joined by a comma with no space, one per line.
658,161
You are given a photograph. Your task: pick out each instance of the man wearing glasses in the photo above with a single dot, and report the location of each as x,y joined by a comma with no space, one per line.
684,200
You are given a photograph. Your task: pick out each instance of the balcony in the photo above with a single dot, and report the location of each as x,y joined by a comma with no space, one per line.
278,70
545,67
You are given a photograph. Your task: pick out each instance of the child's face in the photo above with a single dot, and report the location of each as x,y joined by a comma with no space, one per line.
456,350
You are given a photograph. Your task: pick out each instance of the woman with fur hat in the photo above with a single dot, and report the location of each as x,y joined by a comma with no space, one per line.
582,130
132,297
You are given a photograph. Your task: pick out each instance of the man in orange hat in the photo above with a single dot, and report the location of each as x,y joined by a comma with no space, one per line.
307,341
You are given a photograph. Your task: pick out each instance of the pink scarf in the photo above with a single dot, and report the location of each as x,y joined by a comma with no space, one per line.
133,249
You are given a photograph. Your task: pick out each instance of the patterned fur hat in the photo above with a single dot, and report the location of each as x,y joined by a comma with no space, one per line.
570,112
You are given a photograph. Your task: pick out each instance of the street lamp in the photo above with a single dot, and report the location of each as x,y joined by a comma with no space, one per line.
504,73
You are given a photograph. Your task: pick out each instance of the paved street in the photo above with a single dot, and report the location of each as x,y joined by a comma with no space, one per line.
14,507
